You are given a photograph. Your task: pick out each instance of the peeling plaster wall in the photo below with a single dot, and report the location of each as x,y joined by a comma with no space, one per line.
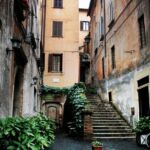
6,8
124,92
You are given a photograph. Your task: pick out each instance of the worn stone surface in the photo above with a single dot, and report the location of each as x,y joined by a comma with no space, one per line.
63,142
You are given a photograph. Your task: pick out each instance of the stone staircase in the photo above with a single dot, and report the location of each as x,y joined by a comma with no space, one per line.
107,123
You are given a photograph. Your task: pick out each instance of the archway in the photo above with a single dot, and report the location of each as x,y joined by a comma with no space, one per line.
18,92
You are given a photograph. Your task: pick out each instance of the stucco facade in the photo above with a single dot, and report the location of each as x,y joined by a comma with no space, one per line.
66,45
121,60
20,33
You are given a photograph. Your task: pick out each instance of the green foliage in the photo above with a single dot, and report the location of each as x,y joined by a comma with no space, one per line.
77,100
97,143
30,133
143,125
54,90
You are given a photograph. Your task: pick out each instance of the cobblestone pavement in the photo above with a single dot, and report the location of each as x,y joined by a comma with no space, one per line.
63,142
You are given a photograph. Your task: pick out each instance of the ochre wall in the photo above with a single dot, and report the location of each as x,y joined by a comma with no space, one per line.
67,45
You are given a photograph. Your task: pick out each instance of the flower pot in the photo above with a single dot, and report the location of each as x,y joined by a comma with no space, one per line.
97,148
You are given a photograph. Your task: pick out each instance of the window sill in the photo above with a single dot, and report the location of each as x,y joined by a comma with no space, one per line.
58,7
57,36
55,73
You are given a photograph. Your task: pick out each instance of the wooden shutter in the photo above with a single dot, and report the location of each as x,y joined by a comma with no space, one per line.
59,28
50,62
61,62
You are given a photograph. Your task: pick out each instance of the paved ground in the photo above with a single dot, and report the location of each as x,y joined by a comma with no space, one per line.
63,142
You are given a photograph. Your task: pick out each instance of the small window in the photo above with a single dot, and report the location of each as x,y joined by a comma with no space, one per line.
142,31
58,4
84,26
55,62
113,62
103,67
101,26
111,12
57,28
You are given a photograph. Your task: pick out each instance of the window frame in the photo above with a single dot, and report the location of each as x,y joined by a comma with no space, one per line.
113,57
55,65
58,3
84,25
57,29
142,33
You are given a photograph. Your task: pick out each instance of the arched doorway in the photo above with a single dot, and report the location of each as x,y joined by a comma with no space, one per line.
18,92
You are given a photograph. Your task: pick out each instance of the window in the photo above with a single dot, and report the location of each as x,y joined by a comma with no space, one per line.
57,28
103,67
101,28
142,31
113,57
111,12
84,25
55,62
58,4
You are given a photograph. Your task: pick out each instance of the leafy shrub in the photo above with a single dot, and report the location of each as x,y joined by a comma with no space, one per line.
143,125
77,100
30,133
97,143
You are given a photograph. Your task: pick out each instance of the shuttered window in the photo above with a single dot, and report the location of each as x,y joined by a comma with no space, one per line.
57,28
55,62
58,3
142,31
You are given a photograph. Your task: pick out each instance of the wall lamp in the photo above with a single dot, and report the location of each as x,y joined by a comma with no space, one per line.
34,80
16,44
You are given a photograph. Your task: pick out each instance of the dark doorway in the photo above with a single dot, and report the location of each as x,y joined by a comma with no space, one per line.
144,101
110,96
82,74
18,93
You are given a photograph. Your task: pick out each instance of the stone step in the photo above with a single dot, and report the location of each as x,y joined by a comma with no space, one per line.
110,127
112,137
109,123
113,134
112,130
105,118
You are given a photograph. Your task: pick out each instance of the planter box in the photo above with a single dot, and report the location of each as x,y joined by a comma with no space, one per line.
97,148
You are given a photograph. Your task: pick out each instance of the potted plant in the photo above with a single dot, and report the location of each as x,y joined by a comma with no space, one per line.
97,145
142,129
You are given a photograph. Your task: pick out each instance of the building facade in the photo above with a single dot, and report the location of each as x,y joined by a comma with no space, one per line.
61,43
84,23
121,54
20,35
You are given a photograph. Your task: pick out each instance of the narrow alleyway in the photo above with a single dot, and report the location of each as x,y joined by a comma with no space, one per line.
63,142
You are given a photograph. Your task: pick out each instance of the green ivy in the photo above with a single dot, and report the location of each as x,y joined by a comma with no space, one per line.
77,100
29,133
